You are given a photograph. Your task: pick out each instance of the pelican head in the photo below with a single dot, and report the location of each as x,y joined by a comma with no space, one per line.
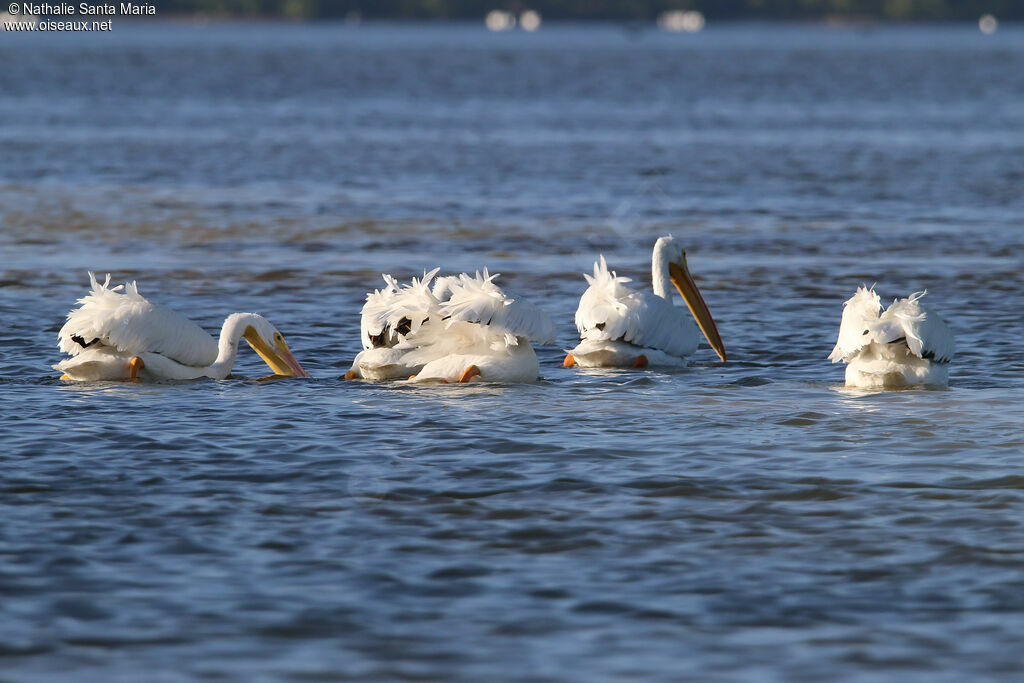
671,256
266,341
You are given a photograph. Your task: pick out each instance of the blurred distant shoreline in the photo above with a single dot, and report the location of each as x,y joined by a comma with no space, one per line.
836,22
826,11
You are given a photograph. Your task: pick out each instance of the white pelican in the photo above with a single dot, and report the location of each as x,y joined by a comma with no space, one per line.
388,315
622,327
464,329
904,346
117,334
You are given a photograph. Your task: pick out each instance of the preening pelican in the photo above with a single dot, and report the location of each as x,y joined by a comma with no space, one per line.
387,317
622,327
117,334
904,346
463,329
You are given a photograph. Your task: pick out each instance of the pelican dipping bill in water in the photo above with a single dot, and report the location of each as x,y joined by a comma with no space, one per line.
117,334
906,345
464,328
622,327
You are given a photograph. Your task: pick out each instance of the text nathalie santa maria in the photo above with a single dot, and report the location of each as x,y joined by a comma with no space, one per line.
87,9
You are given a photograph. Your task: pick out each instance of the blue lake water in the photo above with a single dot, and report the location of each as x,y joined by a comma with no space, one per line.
738,521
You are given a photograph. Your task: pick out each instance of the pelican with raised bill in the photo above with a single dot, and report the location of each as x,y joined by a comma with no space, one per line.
905,345
623,327
117,334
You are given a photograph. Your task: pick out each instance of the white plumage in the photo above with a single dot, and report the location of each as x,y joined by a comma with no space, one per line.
476,299
611,311
121,318
114,328
905,345
396,309
388,316
620,326
464,328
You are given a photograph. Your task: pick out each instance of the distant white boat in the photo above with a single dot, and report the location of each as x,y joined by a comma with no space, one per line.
678,21
499,20
529,21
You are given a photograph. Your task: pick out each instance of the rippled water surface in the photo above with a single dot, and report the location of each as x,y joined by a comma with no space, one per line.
747,520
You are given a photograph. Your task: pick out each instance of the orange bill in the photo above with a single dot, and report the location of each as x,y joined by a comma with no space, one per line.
681,278
278,356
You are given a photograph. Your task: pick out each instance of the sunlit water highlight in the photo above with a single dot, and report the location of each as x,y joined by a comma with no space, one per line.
745,520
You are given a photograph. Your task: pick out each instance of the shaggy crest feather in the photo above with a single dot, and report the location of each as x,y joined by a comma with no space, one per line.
604,300
375,309
859,312
865,299
477,299
608,284
121,318
611,311
414,302
386,308
474,298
